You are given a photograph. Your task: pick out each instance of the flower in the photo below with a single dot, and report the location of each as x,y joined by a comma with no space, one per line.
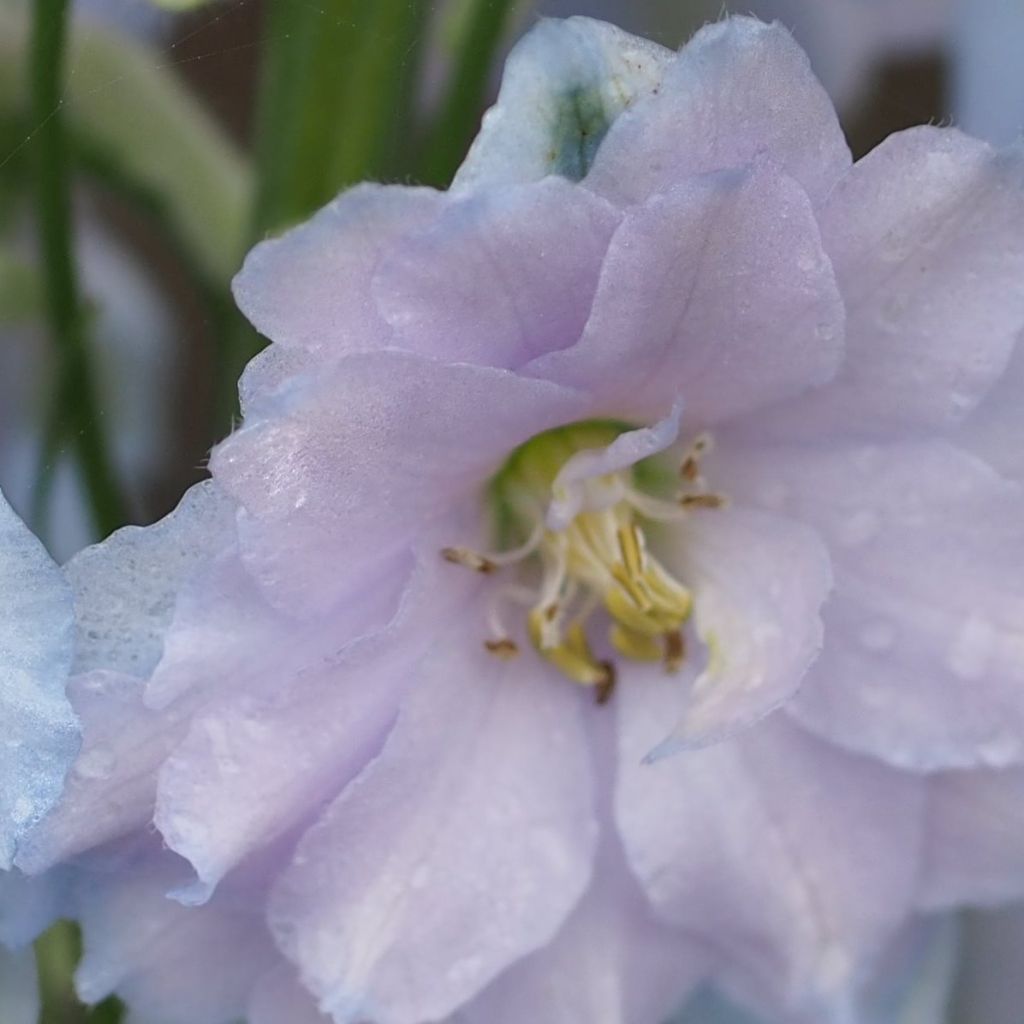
594,600
38,741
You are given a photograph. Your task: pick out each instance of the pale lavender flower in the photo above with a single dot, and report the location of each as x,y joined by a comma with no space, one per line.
680,382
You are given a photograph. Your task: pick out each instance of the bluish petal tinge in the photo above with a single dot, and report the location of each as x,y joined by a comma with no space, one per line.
38,732
564,85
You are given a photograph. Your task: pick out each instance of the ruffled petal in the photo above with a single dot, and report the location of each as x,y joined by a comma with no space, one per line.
922,661
19,988
796,859
310,288
564,84
501,277
463,847
38,732
995,429
718,293
926,234
974,839
111,789
759,582
612,962
324,721
167,962
370,453
125,587
738,91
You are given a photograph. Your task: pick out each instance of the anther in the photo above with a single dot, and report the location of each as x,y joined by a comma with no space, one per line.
504,648
706,500
605,687
469,559
675,651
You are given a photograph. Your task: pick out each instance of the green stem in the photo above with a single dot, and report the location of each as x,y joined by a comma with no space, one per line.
53,208
458,116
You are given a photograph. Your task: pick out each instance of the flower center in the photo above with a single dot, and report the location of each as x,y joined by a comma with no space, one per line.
564,572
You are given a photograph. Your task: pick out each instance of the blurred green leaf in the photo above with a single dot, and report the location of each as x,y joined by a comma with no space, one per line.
21,292
482,25
126,105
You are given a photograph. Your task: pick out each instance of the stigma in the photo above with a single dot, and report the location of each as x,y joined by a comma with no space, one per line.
593,564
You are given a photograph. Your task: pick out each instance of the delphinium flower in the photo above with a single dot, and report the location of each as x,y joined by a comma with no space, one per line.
38,741
595,599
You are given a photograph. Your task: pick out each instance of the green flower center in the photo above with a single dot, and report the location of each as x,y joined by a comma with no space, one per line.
599,559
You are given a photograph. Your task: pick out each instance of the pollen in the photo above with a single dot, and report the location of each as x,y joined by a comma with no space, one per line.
595,577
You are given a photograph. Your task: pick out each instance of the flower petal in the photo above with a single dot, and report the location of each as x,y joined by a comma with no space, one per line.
280,998
922,664
141,946
111,789
323,720
500,277
611,962
926,234
310,288
563,86
374,450
28,906
460,849
739,90
125,587
796,859
758,583
38,733
974,839
718,293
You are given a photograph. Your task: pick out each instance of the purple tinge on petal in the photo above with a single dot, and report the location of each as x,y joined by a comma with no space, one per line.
28,906
463,847
280,998
796,859
718,293
564,84
974,839
168,962
323,721
922,658
759,582
38,732
739,90
612,962
375,450
926,234
310,288
502,276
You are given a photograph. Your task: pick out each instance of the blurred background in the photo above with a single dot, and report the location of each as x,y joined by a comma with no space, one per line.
144,148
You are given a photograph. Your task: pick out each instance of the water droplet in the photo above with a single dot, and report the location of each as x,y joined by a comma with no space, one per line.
1000,751
858,528
21,811
970,652
98,763
878,636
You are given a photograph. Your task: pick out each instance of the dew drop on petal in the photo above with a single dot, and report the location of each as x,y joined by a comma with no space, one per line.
878,636
858,528
98,763
970,652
